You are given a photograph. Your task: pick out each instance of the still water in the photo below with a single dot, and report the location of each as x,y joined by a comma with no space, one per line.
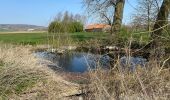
76,61
82,62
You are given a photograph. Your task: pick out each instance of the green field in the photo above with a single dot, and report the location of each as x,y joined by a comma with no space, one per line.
81,36
23,38
41,38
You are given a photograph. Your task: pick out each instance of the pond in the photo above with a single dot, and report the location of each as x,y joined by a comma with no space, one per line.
81,62
76,61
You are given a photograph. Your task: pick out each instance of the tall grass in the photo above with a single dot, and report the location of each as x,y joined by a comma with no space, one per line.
151,82
57,40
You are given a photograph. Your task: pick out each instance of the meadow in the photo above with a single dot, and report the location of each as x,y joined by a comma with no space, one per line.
34,38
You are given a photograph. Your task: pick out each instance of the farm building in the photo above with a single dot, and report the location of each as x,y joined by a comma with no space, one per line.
98,28
30,30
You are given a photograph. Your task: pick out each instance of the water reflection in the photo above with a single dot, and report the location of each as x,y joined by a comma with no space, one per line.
76,61
82,62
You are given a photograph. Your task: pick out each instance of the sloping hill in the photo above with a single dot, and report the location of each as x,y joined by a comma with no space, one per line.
20,27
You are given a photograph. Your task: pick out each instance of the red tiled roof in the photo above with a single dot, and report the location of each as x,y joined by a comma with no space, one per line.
96,26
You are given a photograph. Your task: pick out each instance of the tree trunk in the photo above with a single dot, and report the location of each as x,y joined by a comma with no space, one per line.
162,18
161,21
118,16
149,19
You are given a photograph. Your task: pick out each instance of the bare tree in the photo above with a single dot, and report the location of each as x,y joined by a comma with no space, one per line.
109,11
146,13
118,15
162,19
58,17
80,18
102,9
66,17
159,27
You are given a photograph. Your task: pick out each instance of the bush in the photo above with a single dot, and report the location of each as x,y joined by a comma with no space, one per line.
56,27
66,23
61,27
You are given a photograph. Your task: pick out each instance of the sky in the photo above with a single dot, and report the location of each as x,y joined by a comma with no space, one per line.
42,12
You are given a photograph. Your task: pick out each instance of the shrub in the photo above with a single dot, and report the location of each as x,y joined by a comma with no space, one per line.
66,23
61,27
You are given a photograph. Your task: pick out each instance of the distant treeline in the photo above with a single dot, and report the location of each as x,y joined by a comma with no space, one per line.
66,23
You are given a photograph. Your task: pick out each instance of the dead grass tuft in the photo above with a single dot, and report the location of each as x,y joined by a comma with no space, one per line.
21,76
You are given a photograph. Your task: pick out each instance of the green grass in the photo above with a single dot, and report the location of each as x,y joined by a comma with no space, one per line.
26,83
81,36
24,38
1,63
41,38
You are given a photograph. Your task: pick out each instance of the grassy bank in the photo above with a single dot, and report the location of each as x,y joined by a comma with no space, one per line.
22,77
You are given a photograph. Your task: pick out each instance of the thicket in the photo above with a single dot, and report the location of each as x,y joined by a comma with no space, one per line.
66,22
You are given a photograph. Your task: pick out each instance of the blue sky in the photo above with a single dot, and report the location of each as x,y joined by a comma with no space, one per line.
41,12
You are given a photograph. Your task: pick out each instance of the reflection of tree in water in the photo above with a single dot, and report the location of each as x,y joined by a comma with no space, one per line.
74,60
81,62
65,60
91,61
95,61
